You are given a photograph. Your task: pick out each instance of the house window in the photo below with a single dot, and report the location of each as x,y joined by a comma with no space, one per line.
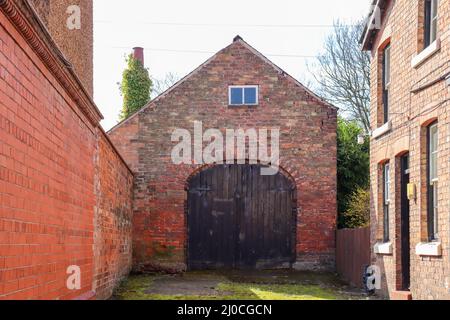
386,81
432,158
431,21
386,201
243,95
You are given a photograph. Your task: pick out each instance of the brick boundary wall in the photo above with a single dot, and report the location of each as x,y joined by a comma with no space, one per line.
112,218
65,193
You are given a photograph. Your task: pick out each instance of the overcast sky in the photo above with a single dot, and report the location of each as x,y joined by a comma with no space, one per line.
179,35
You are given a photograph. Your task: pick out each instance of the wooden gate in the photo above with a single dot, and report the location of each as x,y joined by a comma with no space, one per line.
238,218
353,254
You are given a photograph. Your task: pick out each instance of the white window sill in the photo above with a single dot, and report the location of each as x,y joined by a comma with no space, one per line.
430,249
385,128
426,53
242,105
383,248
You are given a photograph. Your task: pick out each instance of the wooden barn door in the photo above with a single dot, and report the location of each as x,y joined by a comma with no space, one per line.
238,218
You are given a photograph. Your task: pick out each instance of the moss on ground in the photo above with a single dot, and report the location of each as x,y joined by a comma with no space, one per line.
139,287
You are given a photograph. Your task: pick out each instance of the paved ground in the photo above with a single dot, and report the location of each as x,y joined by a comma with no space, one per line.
238,285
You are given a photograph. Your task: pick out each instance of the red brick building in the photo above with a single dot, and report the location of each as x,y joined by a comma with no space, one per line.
65,193
410,48
210,216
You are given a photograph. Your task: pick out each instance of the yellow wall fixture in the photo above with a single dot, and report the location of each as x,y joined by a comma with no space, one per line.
412,192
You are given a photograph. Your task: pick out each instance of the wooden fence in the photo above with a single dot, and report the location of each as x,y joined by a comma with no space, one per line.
353,254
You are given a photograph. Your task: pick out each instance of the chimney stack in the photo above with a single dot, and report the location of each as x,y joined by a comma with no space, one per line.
138,54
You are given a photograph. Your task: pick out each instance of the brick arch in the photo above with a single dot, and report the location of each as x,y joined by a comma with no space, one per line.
284,170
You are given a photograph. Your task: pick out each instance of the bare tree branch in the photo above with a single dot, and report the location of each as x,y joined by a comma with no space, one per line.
161,85
342,73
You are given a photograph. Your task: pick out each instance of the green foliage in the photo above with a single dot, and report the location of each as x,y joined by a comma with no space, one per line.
358,212
353,165
135,88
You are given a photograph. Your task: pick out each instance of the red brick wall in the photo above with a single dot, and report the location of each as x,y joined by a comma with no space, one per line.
308,154
112,219
49,188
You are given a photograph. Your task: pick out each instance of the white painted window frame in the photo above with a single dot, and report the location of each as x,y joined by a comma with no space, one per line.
434,20
387,66
243,95
387,183
433,165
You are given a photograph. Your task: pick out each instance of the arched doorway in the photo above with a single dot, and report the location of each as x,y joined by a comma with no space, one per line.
238,218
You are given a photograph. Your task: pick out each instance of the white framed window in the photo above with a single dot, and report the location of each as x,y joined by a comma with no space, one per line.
243,95
387,183
433,182
387,66
433,153
386,201
386,80
431,21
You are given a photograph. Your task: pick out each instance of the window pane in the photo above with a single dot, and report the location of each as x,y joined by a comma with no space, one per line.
386,183
433,32
236,96
435,209
386,223
387,65
427,23
431,18
434,138
433,152
250,95
433,167
434,9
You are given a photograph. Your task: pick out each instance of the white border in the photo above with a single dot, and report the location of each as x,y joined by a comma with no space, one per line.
243,95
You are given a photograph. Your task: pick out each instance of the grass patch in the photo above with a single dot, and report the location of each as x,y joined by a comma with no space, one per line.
139,288
250,291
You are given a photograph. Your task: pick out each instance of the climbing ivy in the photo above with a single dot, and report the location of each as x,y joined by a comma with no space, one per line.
135,88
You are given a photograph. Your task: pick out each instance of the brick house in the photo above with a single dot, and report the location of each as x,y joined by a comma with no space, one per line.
213,216
410,146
